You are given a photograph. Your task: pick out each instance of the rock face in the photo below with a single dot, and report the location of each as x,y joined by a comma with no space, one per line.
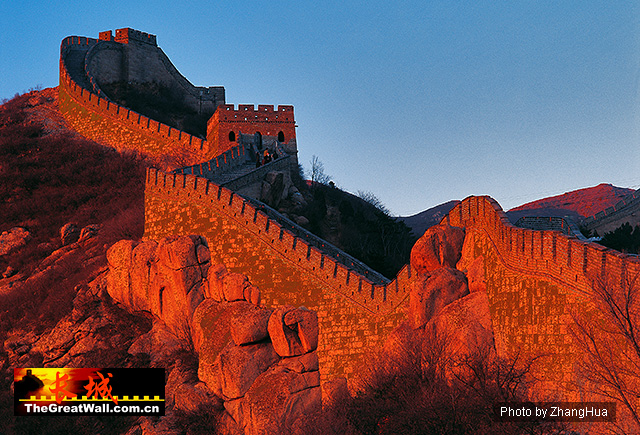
275,187
440,302
260,364
465,323
293,331
430,293
69,234
440,246
164,278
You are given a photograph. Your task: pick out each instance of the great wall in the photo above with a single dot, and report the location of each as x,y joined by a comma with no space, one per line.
536,279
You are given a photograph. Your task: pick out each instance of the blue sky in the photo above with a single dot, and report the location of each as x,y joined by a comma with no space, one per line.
419,102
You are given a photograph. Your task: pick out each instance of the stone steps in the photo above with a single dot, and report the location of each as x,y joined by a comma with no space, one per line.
234,173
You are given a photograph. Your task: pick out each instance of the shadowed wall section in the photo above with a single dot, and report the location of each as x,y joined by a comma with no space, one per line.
134,57
355,313
108,123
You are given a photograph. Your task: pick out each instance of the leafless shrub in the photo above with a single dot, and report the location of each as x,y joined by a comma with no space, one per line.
608,331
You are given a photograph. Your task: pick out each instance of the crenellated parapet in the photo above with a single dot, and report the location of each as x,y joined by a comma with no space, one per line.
317,257
96,117
228,123
357,307
538,283
565,259
87,65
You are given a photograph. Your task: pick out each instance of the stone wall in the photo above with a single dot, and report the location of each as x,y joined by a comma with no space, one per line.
108,123
355,312
535,281
133,56
247,119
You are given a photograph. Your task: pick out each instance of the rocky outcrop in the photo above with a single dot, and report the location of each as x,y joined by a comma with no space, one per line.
69,233
260,364
163,278
431,292
447,303
293,331
465,324
440,246
275,187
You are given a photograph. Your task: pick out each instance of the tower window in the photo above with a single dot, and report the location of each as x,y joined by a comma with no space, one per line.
232,136
280,136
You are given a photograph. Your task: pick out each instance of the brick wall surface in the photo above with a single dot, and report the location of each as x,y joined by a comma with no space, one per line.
111,124
91,113
535,281
355,315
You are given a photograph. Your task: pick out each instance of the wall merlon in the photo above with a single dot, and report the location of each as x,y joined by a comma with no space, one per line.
261,219
315,256
224,196
127,35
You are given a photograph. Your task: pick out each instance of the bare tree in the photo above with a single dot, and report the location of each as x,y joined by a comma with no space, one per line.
372,199
317,172
609,334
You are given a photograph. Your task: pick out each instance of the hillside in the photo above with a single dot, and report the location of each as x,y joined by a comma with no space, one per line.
577,204
418,223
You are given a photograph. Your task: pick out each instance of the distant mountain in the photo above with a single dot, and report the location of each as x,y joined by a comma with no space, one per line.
577,204
428,218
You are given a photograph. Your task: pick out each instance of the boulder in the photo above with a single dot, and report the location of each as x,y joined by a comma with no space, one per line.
13,239
69,234
293,331
89,231
211,332
468,250
233,286
192,398
8,272
465,325
430,293
165,278
159,343
301,220
299,364
119,258
476,277
276,400
440,246
250,325
213,287
144,288
274,188
239,366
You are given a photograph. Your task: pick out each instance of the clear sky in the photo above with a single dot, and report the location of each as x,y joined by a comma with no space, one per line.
419,102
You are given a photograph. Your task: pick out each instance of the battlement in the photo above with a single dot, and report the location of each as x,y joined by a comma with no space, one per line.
357,308
550,223
228,123
562,258
92,114
315,256
248,112
127,35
